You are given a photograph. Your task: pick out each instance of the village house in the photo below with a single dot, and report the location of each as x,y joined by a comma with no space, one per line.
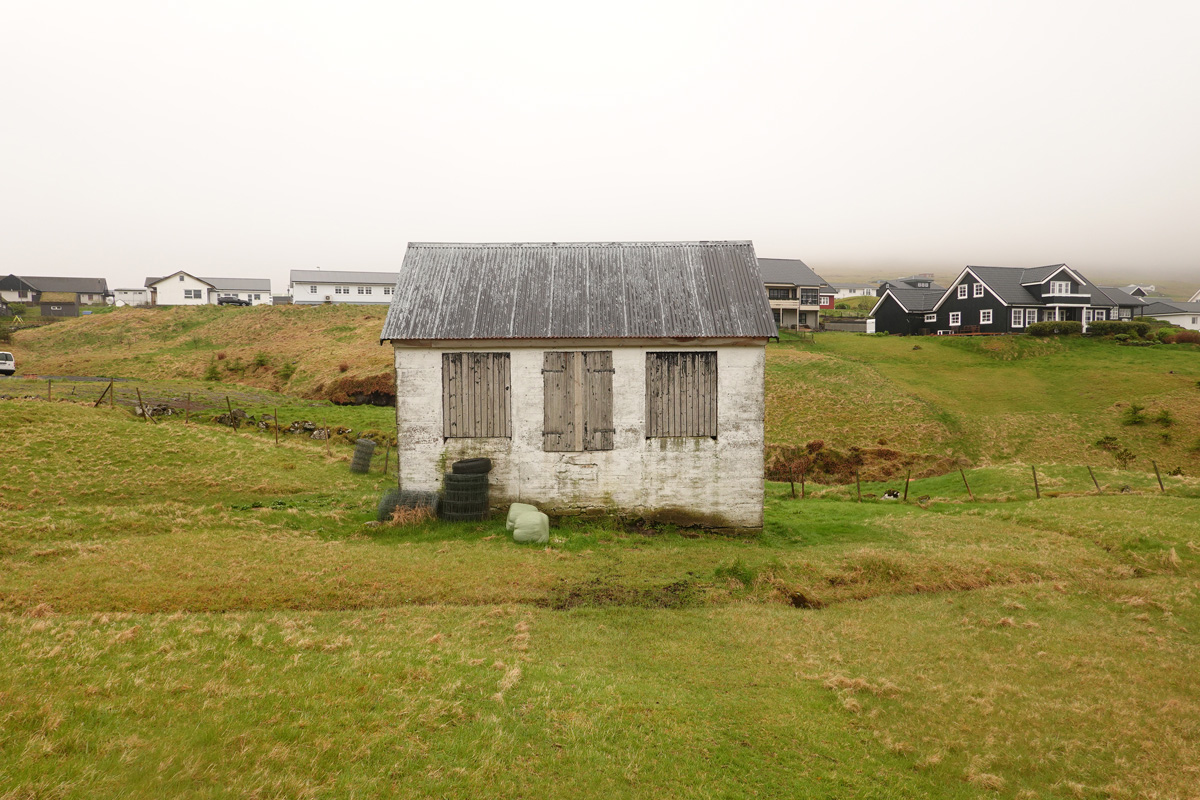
132,297
622,378
1002,300
184,289
56,297
795,292
311,286
924,282
841,291
1185,315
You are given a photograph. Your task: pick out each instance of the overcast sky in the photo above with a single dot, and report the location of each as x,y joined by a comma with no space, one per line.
249,138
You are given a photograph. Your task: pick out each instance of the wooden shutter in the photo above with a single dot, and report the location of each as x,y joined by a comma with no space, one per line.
598,404
558,380
476,395
681,394
578,401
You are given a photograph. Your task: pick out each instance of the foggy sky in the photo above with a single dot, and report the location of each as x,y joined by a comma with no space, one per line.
250,138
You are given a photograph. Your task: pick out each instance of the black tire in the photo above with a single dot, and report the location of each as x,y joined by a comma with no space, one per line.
469,479
472,466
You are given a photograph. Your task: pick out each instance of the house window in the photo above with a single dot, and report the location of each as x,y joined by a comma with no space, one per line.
181,279
681,394
955,319
22,294
781,294
476,396
802,318
922,284
1018,318
977,290
364,289
931,317
191,294
341,290
578,407
1100,314
1060,287
985,316
258,297
962,291
312,289
810,297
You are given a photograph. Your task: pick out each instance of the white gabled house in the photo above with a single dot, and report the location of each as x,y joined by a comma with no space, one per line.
622,378
184,289
312,286
1185,315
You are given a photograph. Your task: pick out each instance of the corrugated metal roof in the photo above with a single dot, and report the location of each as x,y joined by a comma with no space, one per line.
579,290
791,271
85,285
338,276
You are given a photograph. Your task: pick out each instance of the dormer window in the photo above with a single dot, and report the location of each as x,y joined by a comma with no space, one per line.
1060,287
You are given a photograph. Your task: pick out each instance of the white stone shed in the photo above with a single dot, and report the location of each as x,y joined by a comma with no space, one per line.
614,377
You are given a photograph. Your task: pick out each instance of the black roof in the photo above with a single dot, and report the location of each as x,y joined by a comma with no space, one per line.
791,271
1009,284
579,290
914,301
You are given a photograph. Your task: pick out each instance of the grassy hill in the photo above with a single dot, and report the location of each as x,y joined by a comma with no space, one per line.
189,610
299,349
931,402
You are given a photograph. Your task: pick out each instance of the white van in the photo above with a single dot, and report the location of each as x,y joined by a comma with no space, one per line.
8,364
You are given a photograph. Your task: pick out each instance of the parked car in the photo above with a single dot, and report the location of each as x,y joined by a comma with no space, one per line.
8,364
232,301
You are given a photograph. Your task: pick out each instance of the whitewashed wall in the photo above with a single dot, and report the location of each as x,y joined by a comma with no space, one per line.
302,293
716,482
170,292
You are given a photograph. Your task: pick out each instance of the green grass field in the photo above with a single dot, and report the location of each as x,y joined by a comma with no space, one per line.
189,610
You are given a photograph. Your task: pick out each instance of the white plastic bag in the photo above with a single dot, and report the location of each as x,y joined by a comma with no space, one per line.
532,527
516,510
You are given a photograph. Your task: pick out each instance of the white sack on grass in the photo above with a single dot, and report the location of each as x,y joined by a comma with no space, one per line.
532,527
516,510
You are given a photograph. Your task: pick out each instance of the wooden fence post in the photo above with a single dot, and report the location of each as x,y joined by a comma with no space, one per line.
107,389
277,426
907,477
187,410
1161,488
112,396
964,477
1036,489
1093,476
49,389
328,434
145,413
803,495
228,405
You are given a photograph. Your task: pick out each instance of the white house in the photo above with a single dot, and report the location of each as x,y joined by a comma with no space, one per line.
843,290
1185,315
622,377
308,286
184,289
131,297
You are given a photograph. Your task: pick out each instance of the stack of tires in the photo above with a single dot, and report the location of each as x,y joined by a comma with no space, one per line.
364,449
465,491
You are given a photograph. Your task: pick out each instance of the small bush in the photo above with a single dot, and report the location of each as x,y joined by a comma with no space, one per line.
1164,418
1134,415
342,367
221,356
286,372
1051,328
1124,457
212,373
1162,334
261,360
1122,337
1184,337
1107,443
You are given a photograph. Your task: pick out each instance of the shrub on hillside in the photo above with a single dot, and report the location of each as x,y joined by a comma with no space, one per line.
212,373
286,372
1115,327
1162,334
1184,337
1051,328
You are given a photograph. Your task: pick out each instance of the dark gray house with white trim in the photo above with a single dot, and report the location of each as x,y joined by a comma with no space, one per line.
1003,300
